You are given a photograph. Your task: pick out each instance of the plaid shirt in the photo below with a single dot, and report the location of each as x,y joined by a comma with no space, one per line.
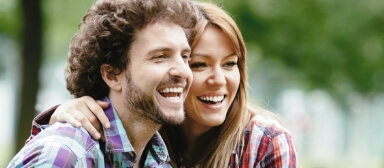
63,145
266,143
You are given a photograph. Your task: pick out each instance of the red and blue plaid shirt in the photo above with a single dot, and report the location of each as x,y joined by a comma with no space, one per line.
266,143
62,145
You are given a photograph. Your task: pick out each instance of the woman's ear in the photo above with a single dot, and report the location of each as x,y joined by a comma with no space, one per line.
112,77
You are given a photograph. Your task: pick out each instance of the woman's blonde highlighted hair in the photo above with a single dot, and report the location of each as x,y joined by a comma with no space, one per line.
223,139
231,131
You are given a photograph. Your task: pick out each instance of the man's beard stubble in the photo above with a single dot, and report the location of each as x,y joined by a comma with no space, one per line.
144,105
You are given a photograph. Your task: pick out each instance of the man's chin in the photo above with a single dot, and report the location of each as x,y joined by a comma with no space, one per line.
174,118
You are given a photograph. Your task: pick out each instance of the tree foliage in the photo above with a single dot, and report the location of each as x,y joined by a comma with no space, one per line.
333,45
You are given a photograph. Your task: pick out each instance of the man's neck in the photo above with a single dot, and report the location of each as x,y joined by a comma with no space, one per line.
139,130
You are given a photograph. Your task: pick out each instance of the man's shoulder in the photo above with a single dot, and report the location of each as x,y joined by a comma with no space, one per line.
60,144
76,139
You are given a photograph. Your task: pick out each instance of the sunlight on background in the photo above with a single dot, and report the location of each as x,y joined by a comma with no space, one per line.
52,92
326,137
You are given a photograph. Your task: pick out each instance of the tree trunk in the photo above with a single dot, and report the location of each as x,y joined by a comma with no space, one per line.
31,60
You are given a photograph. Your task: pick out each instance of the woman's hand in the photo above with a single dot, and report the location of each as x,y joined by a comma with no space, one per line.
84,111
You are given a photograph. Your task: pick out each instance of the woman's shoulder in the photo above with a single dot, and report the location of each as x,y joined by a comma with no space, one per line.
265,123
266,141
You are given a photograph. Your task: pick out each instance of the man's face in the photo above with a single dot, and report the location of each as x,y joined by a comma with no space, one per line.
158,76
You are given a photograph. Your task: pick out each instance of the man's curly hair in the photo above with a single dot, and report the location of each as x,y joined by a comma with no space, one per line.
105,36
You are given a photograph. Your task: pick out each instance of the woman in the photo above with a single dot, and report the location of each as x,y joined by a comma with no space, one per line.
219,130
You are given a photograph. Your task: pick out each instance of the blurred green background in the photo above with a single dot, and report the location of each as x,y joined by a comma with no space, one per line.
319,64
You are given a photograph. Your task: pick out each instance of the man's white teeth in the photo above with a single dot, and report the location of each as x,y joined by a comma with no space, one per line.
172,93
173,98
172,90
213,98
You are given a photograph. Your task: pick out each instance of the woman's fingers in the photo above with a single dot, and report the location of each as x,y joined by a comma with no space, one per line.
98,115
71,120
76,116
62,112
91,129
84,111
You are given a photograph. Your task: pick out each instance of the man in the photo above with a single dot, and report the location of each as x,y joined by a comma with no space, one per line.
133,54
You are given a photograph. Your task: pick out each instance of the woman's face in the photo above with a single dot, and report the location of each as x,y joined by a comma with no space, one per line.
216,78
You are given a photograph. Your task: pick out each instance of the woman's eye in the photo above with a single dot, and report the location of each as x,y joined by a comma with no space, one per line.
230,64
198,65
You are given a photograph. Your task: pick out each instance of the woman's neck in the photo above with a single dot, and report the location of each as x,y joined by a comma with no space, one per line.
199,142
192,131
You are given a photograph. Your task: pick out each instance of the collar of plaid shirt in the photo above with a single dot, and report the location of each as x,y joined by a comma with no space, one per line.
117,140
63,145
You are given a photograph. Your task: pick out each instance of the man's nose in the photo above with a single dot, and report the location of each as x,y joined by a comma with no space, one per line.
179,68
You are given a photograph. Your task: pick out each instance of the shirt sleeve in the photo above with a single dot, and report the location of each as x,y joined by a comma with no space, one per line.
280,152
268,145
44,154
40,120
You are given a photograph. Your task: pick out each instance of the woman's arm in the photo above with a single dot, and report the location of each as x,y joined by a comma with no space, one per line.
84,111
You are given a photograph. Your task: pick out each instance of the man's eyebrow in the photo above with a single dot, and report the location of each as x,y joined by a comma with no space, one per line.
167,49
187,49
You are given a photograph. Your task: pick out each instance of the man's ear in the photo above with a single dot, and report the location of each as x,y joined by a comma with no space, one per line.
112,77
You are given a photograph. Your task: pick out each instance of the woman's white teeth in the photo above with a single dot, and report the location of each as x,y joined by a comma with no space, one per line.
212,98
172,90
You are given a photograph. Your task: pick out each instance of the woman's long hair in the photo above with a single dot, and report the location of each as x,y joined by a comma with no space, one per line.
231,131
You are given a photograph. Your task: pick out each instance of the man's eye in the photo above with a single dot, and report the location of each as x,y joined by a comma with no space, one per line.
186,58
159,57
198,65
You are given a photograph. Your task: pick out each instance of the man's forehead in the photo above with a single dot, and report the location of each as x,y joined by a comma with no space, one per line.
161,36
162,24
